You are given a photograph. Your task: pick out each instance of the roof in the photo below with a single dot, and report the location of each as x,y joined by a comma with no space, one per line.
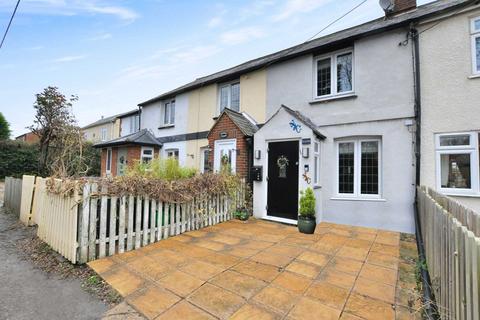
245,125
142,137
110,119
323,43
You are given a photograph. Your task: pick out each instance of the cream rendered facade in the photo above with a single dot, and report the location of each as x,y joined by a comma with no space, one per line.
450,96
94,133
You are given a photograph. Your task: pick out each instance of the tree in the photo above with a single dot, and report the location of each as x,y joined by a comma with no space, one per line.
53,119
4,128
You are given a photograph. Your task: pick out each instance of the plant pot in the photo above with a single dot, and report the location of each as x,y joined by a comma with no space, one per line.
306,224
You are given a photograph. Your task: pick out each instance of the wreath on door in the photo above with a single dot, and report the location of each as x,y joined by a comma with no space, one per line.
282,163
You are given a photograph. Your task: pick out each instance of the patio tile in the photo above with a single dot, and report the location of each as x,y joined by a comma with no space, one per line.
241,252
272,259
328,294
184,237
276,298
149,267
201,270
386,249
359,254
368,308
348,316
337,278
379,274
334,239
128,256
169,257
307,308
292,281
211,245
289,251
184,310
269,237
102,265
359,243
216,301
220,260
345,265
383,260
123,280
257,270
226,239
298,242
256,245
250,311
307,270
152,301
375,290
314,258
180,283
325,248
198,233
364,236
243,285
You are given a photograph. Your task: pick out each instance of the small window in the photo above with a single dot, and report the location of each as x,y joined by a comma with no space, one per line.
172,153
316,163
147,154
457,163
104,134
205,165
169,113
334,74
475,34
230,96
108,164
134,123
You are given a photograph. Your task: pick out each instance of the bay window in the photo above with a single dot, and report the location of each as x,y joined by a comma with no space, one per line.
359,168
475,34
457,163
229,96
334,74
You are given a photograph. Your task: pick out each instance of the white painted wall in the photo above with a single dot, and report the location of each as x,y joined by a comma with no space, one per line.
450,98
182,153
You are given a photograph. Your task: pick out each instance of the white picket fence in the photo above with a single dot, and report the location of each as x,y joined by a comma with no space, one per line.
12,195
90,224
452,249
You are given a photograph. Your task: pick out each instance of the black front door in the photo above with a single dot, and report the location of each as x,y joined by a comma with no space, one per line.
282,198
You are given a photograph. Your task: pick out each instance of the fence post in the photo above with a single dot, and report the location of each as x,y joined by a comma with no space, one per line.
92,234
83,227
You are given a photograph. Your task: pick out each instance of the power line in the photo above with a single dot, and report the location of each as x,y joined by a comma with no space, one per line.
9,23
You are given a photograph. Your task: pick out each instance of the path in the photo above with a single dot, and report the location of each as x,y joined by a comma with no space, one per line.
29,293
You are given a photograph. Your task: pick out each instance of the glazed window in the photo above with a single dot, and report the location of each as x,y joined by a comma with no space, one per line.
457,163
104,134
205,161
334,74
475,34
108,164
147,154
172,153
359,168
169,113
229,96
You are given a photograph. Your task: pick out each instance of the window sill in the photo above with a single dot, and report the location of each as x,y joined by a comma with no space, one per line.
166,126
459,194
359,199
334,98
474,76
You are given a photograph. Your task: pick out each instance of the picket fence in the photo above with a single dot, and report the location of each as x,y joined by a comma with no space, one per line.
452,249
12,195
89,224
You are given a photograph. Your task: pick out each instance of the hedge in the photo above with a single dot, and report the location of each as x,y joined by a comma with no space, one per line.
17,158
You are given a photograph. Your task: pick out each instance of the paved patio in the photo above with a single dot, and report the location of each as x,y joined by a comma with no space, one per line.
263,270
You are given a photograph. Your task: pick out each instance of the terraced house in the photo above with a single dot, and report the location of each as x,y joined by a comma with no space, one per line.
338,114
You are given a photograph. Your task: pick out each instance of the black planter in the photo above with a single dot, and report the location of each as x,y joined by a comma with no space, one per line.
306,224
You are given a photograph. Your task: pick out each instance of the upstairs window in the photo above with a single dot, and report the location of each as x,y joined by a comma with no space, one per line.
147,154
229,96
457,163
334,74
134,123
169,113
475,33
104,134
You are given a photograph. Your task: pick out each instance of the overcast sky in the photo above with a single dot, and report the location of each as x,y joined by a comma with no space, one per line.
116,54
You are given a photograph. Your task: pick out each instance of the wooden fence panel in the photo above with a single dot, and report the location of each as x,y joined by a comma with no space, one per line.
28,185
12,198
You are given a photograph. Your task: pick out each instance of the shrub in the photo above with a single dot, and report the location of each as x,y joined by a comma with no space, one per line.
165,169
18,158
307,203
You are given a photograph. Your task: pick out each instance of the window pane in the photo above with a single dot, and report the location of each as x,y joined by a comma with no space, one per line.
476,25
344,72
345,167
455,140
147,152
369,172
324,77
455,171
109,159
206,161
235,100
477,50
172,112
224,97
166,114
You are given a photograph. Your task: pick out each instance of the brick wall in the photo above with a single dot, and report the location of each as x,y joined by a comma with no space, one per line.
133,155
225,124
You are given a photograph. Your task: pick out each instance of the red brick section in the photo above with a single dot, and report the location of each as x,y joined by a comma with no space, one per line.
225,124
403,5
133,155
28,138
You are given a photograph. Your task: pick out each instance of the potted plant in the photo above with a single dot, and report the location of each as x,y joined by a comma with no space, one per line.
242,214
306,218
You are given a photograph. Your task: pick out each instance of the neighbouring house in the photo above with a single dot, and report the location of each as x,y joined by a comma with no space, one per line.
450,104
129,122
118,153
108,128
28,137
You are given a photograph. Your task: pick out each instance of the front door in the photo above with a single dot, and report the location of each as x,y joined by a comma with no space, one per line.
282,195
121,161
225,155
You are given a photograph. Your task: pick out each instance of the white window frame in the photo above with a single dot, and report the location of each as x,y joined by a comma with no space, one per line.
229,103
168,104
219,145
108,161
316,163
147,156
475,34
202,158
172,150
472,150
333,74
103,134
357,166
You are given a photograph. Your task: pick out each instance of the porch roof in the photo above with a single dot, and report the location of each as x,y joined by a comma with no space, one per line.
142,137
246,125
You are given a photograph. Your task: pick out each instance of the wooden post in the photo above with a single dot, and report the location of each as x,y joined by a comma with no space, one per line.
121,225
153,218
138,222
131,210
113,226
92,235
103,223
146,214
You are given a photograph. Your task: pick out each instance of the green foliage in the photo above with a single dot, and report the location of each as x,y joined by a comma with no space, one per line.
166,169
17,158
307,203
4,128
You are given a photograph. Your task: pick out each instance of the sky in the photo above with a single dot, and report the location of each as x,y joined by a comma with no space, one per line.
114,54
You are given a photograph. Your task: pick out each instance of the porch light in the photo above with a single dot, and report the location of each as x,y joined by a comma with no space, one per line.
305,152
258,154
